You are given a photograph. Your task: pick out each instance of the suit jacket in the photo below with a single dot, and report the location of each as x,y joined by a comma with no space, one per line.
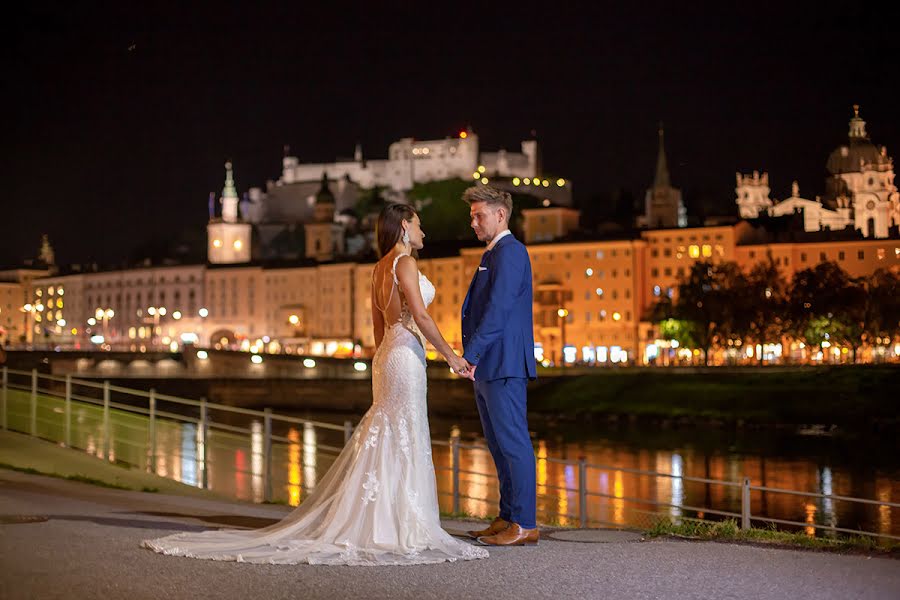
497,320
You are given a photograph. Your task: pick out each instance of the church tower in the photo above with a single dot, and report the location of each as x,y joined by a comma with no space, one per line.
663,207
228,239
864,173
324,237
753,194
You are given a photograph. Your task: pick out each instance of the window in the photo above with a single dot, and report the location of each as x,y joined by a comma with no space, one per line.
803,257
822,257
752,254
860,255
599,254
668,271
654,272
841,255
694,251
667,252
881,254
615,295
654,253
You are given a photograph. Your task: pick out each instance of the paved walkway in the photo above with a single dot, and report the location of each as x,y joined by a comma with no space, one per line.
63,539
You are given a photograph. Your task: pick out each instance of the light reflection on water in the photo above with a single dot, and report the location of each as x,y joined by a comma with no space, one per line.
236,466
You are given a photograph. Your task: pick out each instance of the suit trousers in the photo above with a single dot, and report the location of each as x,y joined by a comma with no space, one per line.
502,405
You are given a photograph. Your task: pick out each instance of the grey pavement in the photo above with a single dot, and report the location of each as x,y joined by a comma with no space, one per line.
63,539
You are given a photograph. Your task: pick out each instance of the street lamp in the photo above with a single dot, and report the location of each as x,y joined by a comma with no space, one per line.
156,313
105,314
563,314
29,310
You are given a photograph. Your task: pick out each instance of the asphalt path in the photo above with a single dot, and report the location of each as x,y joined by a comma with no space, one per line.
63,539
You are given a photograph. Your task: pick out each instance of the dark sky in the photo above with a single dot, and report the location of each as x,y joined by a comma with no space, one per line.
121,117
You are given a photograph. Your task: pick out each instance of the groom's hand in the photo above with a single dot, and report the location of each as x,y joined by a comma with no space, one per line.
471,370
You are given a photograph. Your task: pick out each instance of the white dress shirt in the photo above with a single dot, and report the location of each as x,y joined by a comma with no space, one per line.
497,238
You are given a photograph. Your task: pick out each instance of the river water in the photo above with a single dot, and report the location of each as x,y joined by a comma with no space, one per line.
809,461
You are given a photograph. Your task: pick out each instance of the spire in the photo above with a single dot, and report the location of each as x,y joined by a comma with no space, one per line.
230,191
47,254
324,196
662,171
857,125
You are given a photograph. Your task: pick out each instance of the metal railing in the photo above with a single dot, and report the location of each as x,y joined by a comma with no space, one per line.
30,382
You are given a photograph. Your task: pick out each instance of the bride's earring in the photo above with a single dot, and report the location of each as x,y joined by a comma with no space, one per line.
406,238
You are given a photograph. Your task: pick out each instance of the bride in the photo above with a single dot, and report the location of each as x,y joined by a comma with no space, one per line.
377,505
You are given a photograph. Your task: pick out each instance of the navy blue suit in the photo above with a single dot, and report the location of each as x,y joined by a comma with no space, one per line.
498,337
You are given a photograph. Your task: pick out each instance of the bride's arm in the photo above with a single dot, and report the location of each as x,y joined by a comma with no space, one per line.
408,276
377,320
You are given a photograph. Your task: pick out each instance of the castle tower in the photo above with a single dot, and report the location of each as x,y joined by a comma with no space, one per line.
228,239
753,194
662,204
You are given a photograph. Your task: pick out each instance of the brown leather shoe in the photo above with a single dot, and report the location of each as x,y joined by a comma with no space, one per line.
513,535
494,528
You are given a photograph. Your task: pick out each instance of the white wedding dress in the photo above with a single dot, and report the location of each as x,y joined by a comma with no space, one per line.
377,505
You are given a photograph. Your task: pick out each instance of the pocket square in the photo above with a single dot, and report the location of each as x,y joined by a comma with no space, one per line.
482,268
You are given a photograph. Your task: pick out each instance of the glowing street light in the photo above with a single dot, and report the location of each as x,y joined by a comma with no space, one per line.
563,313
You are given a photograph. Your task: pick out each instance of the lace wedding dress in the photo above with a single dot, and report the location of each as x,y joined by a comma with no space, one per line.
377,505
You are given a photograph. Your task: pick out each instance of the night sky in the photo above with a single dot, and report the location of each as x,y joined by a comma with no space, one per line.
120,118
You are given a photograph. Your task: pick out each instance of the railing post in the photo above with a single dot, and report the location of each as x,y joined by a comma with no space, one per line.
152,431
348,431
582,492
745,504
33,403
106,428
3,396
267,455
454,457
68,417
204,432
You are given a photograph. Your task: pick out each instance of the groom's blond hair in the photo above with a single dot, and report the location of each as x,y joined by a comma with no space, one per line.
490,196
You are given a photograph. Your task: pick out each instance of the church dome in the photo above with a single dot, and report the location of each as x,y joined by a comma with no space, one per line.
859,151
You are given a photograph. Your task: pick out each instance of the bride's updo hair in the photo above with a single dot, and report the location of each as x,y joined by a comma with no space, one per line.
389,228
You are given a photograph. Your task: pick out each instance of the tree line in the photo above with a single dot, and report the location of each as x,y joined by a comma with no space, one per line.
720,306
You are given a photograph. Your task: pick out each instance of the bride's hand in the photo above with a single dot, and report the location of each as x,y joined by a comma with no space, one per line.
459,365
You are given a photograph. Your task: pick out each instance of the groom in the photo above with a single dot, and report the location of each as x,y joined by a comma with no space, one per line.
498,343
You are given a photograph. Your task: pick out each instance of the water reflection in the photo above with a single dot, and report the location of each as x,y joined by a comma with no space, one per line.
188,454
309,457
236,467
257,460
293,467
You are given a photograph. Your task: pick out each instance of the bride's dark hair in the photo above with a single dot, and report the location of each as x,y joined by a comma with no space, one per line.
389,227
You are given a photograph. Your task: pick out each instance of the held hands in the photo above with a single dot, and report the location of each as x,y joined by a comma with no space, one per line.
461,367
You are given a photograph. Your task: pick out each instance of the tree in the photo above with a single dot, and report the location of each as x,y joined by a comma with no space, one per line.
763,300
881,316
822,299
706,300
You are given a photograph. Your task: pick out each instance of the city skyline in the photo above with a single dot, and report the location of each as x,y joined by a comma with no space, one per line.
115,146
